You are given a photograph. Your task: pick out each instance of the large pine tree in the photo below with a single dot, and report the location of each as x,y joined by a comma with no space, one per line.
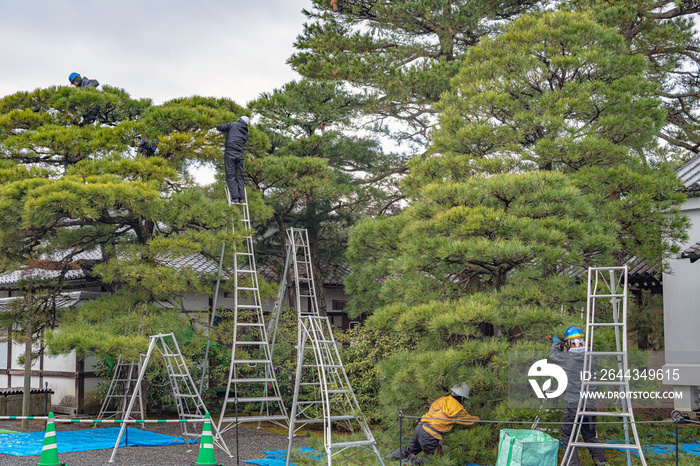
537,171
320,174
403,54
75,192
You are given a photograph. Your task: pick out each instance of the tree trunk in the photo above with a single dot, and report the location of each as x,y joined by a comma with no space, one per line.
27,374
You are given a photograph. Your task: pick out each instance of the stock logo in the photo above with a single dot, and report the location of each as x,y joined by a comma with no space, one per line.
542,368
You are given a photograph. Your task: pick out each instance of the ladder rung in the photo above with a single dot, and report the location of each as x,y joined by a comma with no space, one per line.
246,324
337,392
624,446
358,443
260,343
607,353
254,399
605,324
605,414
248,306
342,418
320,419
252,361
242,419
614,295
246,288
258,380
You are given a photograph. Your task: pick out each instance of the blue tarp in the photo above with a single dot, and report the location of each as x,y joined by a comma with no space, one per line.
278,457
30,444
661,449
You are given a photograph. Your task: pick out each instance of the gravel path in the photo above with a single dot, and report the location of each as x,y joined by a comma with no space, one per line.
252,443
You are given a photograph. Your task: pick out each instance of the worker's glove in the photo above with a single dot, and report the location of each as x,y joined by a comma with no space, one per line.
556,339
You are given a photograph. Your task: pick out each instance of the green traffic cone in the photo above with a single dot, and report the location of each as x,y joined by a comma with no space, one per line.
49,452
206,445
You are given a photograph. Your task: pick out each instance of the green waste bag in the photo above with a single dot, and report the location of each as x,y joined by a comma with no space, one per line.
526,448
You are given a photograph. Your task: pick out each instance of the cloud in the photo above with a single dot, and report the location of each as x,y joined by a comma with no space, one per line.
156,49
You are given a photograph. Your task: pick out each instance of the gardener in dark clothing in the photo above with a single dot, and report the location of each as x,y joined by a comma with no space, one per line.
78,81
236,137
572,363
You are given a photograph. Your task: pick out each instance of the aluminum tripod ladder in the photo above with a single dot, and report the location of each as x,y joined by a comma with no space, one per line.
183,390
122,385
607,285
251,380
322,370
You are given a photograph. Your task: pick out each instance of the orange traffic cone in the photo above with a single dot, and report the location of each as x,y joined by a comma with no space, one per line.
206,445
49,452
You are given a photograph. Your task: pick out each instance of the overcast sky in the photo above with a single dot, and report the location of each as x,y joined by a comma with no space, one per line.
160,49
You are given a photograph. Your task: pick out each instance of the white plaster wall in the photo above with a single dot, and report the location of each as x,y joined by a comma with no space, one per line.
197,302
63,387
682,315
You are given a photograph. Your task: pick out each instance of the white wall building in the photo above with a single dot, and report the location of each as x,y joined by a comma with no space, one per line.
681,306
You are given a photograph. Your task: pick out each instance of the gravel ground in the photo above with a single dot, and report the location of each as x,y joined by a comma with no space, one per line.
252,443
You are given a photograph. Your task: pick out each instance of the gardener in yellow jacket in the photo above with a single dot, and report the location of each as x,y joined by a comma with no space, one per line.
443,414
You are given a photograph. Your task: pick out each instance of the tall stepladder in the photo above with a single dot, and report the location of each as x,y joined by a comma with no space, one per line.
328,398
251,378
183,389
606,307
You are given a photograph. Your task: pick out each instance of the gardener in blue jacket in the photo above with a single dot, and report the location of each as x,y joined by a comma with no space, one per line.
82,81
572,363
236,137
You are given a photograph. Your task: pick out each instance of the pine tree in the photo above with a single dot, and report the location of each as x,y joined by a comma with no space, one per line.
665,34
75,192
324,178
402,53
539,169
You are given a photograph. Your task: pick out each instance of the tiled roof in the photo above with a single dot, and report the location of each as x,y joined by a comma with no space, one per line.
11,278
46,268
689,174
196,262
69,299
637,269
692,253
20,390
333,274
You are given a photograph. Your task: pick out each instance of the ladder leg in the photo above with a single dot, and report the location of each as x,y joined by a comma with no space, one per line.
137,390
297,382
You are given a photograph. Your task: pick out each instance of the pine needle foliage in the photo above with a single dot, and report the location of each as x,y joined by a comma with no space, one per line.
75,192
537,171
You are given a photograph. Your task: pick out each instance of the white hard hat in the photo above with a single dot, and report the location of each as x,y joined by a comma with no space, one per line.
245,119
461,389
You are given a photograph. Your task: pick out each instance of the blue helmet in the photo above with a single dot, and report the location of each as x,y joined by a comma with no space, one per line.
573,332
72,76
